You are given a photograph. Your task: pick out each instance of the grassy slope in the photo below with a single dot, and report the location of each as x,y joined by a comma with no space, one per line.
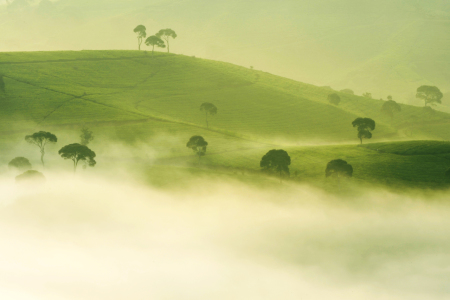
135,98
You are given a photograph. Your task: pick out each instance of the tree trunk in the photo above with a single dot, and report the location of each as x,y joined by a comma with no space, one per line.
74,166
42,156
167,40
153,49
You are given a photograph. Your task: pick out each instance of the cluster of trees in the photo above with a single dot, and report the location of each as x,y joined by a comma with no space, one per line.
154,40
77,152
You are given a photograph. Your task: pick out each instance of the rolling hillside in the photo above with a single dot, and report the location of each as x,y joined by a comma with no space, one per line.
134,98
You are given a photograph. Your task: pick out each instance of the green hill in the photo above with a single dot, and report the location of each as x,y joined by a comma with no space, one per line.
135,98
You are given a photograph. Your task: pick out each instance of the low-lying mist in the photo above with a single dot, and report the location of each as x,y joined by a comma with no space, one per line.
81,237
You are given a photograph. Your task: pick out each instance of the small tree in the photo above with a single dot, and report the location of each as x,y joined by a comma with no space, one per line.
208,108
20,163
276,160
334,99
141,33
390,107
364,126
86,136
429,94
198,144
77,152
165,34
367,95
31,176
154,41
41,139
338,168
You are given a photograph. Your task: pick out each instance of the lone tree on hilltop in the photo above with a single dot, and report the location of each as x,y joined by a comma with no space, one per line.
198,144
367,95
429,94
165,34
390,107
41,139
86,136
334,99
364,127
338,168
77,152
277,161
208,108
141,33
154,41
20,163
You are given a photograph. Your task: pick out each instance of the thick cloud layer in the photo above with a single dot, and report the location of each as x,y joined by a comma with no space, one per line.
93,239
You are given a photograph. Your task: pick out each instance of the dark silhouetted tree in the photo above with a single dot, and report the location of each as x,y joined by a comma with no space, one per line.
364,126
86,136
31,177
208,108
338,168
334,99
41,139
389,97
390,107
141,33
198,144
166,34
154,41
429,94
77,152
367,95
277,161
22,164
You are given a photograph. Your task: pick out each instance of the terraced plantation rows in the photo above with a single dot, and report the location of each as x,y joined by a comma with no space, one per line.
132,98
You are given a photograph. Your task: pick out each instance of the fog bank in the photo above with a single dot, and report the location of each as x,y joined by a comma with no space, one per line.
90,238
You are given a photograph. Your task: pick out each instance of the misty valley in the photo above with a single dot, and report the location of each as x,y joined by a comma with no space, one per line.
153,173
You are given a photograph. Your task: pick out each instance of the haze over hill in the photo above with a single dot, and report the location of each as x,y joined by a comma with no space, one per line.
382,47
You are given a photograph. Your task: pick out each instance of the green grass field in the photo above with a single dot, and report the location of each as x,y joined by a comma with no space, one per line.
150,106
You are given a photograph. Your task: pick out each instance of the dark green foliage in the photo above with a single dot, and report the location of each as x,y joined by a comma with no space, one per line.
334,99
429,94
31,176
447,175
77,152
20,163
41,139
339,168
198,144
154,41
412,147
390,107
86,136
141,33
208,108
276,160
428,111
347,91
165,34
364,127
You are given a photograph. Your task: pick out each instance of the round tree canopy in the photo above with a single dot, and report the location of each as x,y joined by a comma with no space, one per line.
209,107
277,160
30,176
20,163
339,168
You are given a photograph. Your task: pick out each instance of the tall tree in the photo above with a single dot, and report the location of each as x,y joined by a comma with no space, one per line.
166,34
276,160
77,152
364,127
208,108
141,33
198,144
334,99
429,94
390,107
154,41
41,139
86,136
